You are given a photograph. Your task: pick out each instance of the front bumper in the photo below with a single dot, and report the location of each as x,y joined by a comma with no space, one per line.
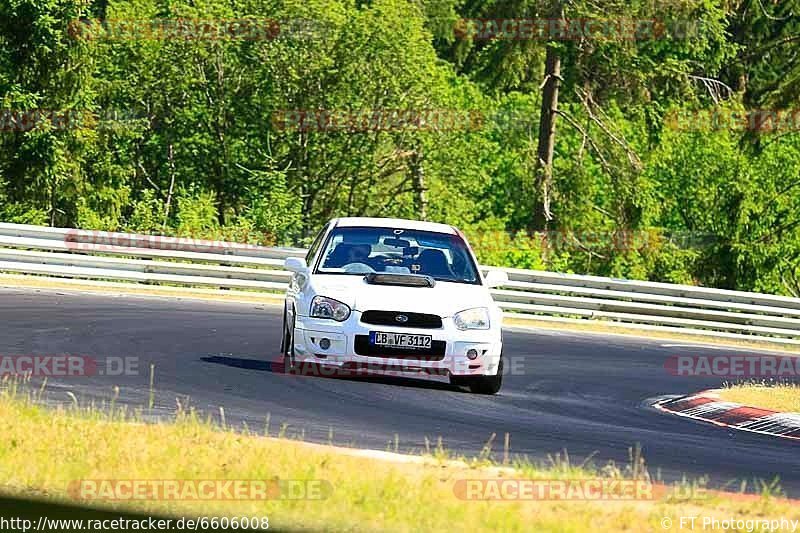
334,344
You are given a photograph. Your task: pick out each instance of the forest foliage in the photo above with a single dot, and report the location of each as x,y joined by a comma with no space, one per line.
675,157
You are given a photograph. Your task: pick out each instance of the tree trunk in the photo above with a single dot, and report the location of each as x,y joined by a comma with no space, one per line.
547,137
417,172
171,159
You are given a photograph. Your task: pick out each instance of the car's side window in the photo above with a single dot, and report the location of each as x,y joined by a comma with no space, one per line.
312,252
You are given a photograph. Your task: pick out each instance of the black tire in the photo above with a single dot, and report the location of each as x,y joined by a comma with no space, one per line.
287,344
481,384
459,381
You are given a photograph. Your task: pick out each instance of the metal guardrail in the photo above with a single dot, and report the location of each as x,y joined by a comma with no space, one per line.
529,294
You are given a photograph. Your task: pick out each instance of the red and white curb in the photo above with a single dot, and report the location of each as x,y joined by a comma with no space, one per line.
707,407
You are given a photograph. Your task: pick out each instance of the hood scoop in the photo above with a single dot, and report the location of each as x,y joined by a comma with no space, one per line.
402,280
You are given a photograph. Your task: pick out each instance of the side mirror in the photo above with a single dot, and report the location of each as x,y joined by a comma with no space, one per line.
296,264
496,278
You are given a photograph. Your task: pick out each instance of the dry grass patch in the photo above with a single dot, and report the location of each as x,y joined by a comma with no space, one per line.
781,397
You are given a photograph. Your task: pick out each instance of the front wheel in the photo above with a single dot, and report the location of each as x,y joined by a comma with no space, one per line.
481,384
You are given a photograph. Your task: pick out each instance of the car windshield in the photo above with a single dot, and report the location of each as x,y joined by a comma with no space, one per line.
359,251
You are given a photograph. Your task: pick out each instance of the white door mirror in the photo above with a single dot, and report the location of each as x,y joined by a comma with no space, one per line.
496,278
296,264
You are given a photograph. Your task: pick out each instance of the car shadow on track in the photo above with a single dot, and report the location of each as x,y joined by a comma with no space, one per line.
322,372
238,362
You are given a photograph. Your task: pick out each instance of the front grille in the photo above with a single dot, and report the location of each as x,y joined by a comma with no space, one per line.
389,318
434,353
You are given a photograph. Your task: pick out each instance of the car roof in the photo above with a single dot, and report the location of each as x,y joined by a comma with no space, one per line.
395,223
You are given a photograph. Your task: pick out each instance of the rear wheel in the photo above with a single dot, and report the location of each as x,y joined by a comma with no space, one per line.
287,345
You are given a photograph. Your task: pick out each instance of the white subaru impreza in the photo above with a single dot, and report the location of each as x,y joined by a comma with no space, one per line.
397,297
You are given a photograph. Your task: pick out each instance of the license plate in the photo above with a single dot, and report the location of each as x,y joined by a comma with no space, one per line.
400,340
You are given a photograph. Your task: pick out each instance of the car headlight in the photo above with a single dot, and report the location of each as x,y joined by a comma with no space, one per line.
476,318
322,307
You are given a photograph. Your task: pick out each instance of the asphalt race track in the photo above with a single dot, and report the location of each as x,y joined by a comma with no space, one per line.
583,393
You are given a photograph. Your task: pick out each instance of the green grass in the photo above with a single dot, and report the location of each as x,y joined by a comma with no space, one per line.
782,397
43,450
